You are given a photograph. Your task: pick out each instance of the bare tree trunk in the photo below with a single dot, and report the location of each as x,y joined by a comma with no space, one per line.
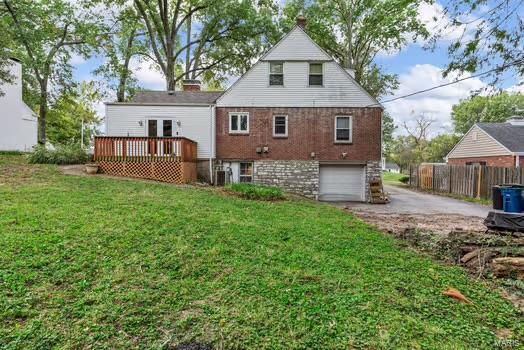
188,50
122,84
42,118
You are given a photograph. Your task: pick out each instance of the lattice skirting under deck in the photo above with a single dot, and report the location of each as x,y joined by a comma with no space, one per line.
172,171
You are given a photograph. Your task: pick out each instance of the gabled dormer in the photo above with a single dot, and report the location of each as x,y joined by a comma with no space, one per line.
296,72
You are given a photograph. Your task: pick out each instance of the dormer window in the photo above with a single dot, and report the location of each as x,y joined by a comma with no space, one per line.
276,73
316,76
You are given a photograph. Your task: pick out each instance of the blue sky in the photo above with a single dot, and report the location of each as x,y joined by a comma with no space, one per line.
416,67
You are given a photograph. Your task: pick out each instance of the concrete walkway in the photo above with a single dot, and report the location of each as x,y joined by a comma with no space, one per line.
406,201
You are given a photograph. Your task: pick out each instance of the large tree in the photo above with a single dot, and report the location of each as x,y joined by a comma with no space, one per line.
124,42
492,37
47,33
355,31
190,37
492,109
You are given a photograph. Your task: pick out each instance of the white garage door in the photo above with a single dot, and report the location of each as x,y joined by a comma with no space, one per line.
341,183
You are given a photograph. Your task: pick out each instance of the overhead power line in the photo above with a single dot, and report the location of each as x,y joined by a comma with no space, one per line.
450,83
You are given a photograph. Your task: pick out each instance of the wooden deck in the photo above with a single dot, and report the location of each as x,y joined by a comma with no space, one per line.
168,159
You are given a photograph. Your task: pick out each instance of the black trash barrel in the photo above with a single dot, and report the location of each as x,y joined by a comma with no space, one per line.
498,203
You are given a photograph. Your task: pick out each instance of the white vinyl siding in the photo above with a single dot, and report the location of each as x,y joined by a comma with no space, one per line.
195,123
342,183
253,89
483,146
296,46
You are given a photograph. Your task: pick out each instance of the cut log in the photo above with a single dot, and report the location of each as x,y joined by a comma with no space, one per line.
469,256
511,267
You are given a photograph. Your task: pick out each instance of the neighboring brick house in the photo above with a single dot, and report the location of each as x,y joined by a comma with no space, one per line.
296,119
491,144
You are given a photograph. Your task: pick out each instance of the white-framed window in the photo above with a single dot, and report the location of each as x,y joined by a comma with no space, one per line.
239,123
280,126
246,172
276,73
316,74
343,129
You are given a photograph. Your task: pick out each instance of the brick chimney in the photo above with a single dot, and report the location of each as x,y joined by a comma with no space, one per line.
301,21
190,85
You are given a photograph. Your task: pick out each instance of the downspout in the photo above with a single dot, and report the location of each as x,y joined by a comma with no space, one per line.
212,143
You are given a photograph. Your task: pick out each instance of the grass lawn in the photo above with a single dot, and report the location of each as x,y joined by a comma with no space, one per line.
392,178
90,262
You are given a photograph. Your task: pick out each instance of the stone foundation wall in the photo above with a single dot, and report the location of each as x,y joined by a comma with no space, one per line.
373,170
296,176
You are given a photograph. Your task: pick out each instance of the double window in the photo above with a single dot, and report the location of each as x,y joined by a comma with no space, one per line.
246,172
165,129
343,129
316,76
276,74
280,126
239,123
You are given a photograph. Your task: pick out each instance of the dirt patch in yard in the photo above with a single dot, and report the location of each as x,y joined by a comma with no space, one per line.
436,223
461,240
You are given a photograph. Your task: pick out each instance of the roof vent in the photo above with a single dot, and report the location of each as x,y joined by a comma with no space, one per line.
170,92
301,21
516,120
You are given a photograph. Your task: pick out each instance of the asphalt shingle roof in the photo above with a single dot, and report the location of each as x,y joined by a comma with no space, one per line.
510,136
178,97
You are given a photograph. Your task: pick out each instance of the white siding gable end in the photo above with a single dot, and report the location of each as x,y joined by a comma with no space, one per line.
296,50
296,46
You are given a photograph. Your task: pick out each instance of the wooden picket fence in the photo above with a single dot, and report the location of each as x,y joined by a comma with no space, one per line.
472,181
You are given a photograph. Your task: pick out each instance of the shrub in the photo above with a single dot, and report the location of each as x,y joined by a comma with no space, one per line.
61,154
404,179
259,192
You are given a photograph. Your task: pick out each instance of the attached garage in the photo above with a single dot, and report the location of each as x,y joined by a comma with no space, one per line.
342,182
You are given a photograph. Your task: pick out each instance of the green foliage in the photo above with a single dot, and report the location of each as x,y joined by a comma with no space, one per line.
61,154
231,35
404,179
44,35
492,37
490,109
91,262
259,192
439,147
388,127
353,32
122,44
66,115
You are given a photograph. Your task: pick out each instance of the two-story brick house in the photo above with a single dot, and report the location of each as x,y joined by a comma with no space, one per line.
296,119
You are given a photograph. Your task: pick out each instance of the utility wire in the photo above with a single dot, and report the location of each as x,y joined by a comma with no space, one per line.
450,83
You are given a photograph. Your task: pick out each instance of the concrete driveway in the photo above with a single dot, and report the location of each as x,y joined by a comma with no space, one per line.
405,201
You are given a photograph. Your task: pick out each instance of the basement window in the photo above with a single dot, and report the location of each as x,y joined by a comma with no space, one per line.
276,74
343,129
246,172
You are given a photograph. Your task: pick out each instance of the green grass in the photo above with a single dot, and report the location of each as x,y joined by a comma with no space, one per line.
393,178
90,262
258,192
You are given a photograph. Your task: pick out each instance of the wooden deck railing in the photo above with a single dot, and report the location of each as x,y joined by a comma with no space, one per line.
144,149
169,159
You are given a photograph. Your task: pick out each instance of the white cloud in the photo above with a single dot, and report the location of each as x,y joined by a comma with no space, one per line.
148,76
517,88
435,104
438,22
